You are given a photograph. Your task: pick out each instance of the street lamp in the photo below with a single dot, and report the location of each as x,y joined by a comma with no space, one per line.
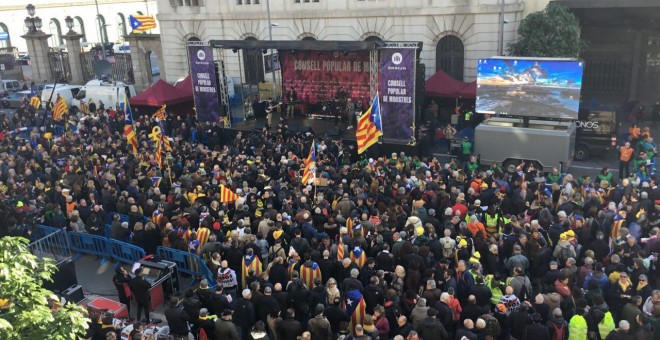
69,22
270,37
30,8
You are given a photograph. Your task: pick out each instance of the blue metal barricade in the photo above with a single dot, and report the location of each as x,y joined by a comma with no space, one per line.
186,263
54,245
125,252
82,243
107,230
40,231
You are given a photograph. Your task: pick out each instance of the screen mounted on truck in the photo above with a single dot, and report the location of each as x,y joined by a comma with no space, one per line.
527,87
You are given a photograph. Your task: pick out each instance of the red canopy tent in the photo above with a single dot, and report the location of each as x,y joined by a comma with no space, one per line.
185,86
161,93
443,85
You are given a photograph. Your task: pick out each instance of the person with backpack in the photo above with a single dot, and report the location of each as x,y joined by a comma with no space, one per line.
522,286
557,326
564,249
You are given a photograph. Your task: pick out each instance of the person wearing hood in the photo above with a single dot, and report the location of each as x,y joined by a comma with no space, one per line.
258,331
644,328
557,325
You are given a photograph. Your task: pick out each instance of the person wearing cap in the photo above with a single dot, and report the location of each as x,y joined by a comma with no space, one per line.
225,328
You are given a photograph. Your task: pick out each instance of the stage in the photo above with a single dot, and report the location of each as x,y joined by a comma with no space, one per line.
325,129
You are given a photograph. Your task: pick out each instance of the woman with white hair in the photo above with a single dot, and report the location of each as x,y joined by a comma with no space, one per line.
331,291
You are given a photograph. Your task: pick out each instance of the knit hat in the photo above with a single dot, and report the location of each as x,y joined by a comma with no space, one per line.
462,243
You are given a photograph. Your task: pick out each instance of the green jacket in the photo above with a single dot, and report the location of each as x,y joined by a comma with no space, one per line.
466,146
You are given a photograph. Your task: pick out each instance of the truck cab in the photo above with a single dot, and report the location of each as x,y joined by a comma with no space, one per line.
596,133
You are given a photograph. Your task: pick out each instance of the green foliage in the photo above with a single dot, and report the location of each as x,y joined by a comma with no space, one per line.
25,313
552,33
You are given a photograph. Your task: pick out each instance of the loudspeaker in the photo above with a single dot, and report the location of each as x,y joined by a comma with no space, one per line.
74,294
64,277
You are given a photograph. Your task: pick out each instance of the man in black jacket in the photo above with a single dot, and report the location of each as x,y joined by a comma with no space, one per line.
177,319
432,328
244,314
140,288
373,295
335,315
289,328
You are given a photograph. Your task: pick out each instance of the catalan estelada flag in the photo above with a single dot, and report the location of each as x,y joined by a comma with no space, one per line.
142,23
129,130
155,181
310,164
309,271
250,262
349,226
35,102
340,249
60,109
358,256
226,195
369,127
157,216
291,266
203,234
160,114
355,308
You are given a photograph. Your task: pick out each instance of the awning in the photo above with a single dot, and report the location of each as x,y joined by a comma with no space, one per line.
443,85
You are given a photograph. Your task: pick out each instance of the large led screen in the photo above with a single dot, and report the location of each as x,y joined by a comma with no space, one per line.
541,88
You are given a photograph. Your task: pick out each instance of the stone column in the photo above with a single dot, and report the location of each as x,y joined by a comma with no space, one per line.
72,41
141,45
37,44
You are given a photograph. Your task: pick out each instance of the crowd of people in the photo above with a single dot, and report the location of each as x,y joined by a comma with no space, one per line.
380,247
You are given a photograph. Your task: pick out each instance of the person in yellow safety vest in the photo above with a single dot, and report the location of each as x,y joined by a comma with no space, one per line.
492,218
496,286
577,327
606,325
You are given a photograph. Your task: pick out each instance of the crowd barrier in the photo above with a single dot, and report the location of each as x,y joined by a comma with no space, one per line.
125,252
188,263
41,231
82,243
54,244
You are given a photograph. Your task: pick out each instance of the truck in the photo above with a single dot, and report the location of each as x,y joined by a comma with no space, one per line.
110,93
597,132
511,141
68,92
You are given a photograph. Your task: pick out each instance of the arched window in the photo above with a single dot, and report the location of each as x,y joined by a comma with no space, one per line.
253,63
5,31
373,38
309,38
79,27
102,32
450,56
139,13
121,26
55,29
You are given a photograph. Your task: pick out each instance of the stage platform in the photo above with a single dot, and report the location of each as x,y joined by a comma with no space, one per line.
327,129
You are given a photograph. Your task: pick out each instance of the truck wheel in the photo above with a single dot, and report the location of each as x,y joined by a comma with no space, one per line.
510,165
581,152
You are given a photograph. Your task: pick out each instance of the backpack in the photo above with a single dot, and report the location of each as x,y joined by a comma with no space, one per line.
564,254
272,254
202,335
557,333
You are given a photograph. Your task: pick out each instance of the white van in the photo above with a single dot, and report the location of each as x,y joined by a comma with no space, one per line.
9,85
110,93
121,48
69,92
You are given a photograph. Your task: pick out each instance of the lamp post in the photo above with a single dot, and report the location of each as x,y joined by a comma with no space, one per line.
270,37
33,23
501,49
